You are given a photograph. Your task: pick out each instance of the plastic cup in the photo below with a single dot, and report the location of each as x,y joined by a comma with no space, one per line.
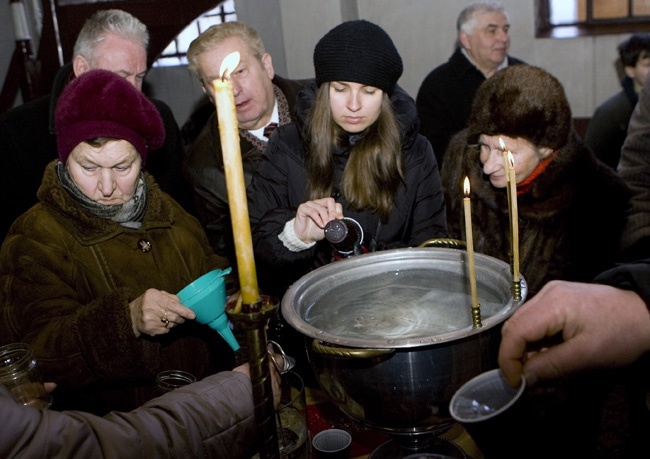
332,444
206,296
491,412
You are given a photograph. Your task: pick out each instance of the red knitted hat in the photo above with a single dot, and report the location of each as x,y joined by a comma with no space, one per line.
100,103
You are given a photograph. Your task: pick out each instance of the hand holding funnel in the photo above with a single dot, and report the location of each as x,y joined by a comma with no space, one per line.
206,296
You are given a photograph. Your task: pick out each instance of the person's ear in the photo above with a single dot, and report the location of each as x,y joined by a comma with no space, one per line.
463,38
629,71
80,65
545,152
267,63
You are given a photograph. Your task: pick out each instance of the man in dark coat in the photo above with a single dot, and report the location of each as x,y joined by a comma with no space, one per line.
607,128
634,169
111,40
262,99
445,97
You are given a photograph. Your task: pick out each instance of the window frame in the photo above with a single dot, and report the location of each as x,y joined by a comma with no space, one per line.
544,28
178,57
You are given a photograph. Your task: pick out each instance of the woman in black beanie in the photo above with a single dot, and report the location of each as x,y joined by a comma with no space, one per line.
354,151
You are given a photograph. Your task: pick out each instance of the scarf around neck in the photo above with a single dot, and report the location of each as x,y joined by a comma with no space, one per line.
525,186
128,214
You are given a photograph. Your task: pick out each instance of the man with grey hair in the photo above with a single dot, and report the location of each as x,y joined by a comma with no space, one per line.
445,97
262,99
111,40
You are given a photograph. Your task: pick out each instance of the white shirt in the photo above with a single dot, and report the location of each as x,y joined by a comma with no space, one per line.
275,118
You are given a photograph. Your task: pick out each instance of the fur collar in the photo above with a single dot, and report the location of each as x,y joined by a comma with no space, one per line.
89,229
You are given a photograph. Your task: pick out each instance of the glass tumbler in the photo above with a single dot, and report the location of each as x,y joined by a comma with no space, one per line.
170,380
20,374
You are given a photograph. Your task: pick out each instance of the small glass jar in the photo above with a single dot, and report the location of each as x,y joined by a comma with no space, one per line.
20,374
170,380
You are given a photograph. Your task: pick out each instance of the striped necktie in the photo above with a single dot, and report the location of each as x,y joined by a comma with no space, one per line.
268,130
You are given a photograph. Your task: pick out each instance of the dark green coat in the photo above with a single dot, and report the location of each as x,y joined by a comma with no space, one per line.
66,279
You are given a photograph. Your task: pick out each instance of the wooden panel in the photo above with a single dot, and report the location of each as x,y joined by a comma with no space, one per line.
607,9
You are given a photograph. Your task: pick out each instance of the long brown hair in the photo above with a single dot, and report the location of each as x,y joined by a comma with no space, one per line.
374,169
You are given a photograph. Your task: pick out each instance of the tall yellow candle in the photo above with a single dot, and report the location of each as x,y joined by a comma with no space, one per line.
514,217
470,243
224,97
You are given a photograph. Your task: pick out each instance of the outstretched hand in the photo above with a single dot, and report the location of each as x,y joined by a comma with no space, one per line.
275,380
599,326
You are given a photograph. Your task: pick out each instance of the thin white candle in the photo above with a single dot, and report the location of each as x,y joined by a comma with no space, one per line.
470,243
514,217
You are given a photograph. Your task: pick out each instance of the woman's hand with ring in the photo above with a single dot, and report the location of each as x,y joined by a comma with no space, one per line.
156,312
165,320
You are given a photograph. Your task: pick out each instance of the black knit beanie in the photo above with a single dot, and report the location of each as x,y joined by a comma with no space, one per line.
360,52
522,101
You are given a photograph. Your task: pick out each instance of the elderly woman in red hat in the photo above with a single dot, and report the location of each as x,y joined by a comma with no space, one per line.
88,276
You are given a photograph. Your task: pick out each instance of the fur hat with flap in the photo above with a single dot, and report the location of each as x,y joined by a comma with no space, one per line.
522,101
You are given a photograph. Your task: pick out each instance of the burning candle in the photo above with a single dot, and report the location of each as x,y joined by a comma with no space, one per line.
228,132
514,217
505,163
505,159
511,188
470,253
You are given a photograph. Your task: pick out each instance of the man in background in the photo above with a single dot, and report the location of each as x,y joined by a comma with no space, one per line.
111,40
263,100
608,126
445,97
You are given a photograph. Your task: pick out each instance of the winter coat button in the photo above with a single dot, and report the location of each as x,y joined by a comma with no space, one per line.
144,245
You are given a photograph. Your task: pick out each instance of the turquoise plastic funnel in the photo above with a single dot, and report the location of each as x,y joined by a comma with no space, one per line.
206,296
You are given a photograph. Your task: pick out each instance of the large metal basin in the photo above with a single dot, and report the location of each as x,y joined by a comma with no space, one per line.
390,335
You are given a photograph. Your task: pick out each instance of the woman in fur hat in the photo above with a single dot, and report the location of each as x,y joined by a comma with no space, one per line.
354,151
571,207
571,213
88,276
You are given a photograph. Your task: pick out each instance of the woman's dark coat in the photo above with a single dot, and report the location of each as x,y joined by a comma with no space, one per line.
66,280
570,221
280,186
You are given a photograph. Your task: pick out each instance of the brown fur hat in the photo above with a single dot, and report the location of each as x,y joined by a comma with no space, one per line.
522,101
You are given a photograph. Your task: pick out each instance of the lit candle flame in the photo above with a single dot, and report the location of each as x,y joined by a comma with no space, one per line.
511,160
228,65
466,187
505,159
